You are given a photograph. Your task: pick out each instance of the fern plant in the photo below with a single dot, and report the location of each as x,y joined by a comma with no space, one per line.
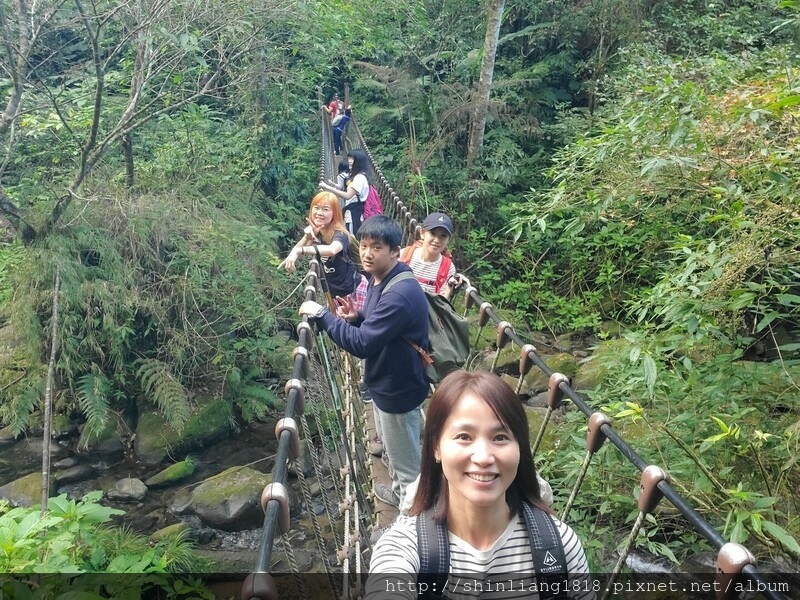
93,398
158,381
253,397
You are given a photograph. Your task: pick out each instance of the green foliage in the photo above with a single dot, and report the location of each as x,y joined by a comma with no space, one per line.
178,279
693,170
10,257
93,390
725,430
159,383
690,27
75,538
253,397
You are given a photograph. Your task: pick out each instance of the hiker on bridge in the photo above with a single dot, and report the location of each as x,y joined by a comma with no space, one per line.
339,124
478,509
357,191
430,259
335,106
394,316
327,235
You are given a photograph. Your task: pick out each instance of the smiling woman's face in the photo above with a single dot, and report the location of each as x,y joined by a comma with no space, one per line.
479,456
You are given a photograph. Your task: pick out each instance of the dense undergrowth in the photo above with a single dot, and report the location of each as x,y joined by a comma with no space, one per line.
87,557
640,167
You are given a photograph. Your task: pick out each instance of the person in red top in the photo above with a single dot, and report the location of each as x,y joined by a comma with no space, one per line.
333,108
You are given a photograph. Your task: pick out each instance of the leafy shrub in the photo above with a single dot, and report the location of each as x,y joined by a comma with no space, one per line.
77,537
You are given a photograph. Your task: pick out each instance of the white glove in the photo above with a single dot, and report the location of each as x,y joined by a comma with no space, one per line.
309,308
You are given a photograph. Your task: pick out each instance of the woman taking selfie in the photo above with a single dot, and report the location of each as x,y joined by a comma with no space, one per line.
477,511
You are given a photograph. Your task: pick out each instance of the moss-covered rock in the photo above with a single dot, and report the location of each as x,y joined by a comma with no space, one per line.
230,500
63,426
536,381
25,491
592,372
550,439
172,474
157,440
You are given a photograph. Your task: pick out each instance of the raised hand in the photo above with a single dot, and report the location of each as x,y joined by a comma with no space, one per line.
345,309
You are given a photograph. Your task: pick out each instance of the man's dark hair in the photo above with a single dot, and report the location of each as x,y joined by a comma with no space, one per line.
382,229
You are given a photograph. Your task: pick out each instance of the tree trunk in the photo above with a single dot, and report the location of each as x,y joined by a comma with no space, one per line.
127,152
48,396
18,67
494,18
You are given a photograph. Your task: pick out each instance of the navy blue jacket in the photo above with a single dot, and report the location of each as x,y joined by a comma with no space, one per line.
393,370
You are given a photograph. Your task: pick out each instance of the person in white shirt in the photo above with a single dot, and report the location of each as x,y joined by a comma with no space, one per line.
357,190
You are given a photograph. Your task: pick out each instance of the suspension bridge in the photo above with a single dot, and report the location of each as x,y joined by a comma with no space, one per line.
335,426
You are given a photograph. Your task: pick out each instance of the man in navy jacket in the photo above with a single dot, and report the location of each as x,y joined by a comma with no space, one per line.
380,334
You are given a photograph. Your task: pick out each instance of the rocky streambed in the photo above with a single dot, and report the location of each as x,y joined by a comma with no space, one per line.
205,481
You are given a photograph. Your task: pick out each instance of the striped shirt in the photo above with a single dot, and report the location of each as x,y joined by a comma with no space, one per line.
426,272
504,571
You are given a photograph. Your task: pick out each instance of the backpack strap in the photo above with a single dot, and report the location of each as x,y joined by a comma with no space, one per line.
441,275
401,277
426,358
547,550
434,554
407,253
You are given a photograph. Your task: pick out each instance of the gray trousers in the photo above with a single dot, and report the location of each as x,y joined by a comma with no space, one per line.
400,433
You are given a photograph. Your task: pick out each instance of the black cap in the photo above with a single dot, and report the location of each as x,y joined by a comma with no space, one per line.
437,219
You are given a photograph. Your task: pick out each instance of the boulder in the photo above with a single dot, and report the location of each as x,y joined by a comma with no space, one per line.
230,500
535,418
66,463
74,474
536,381
129,489
63,427
591,372
25,491
156,440
34,446
538,401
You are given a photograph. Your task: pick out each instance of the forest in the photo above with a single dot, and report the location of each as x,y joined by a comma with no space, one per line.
610,165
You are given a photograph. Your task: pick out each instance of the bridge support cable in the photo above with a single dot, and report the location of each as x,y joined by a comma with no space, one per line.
649,497
594,441
733,563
